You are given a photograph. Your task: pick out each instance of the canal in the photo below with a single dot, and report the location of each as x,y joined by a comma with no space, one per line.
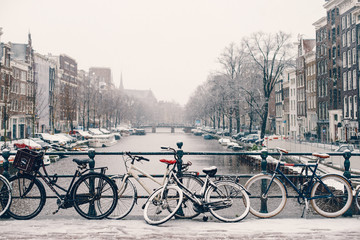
151,142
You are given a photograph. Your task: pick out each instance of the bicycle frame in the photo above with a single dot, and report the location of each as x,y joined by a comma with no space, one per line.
313,179
133,172
51,183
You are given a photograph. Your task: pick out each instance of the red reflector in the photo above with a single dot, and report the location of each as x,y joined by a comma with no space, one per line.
288,164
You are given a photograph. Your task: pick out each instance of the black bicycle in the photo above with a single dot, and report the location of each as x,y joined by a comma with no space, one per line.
92,194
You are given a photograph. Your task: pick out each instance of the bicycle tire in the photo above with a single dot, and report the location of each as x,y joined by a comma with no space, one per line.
28,197
5,195
159,208
95,196
127,195
228,201
194,184
275,200
357,199
335,205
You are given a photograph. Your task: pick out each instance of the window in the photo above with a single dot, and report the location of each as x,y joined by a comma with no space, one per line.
344,60
348,40
344,39
353,56
345,81
355,107
346,112
353,35
354,79
348,20
343,23
349,80
349,59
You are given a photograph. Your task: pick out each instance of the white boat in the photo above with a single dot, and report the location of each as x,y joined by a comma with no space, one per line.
224,141
104,140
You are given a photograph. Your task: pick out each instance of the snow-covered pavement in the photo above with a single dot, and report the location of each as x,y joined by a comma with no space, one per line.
250,228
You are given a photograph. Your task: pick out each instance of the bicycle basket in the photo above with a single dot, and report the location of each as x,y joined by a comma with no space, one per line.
27,160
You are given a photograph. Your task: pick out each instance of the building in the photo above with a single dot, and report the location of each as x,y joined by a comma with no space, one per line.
66,81
45,77
293,125
17,98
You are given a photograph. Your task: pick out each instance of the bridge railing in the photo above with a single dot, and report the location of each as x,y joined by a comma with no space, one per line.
263,160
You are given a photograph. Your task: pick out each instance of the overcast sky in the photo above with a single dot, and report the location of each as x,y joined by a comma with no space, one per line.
167,46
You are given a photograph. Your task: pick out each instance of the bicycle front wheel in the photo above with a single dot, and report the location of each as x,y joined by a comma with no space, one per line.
194,185
331,196
228,201
162,204
268,195
126,198
28,197
357,199
5,195
95,196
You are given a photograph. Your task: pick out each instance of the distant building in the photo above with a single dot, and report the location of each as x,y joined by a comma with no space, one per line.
146,96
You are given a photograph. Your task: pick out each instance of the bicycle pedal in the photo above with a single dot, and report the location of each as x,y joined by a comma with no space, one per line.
55,212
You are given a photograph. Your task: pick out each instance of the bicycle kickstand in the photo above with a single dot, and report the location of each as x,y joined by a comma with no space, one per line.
305,209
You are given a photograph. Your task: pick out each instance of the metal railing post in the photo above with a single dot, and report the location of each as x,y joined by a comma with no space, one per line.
347,155
6,155
91,154
347,174
179,154
264,155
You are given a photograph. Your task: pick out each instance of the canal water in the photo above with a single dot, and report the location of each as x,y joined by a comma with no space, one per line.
151,142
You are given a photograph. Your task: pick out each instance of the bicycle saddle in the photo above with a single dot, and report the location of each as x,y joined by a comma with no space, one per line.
81,161
211,171
169,162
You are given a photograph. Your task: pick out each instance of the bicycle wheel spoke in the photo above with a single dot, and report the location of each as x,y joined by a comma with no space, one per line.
331,196
227,201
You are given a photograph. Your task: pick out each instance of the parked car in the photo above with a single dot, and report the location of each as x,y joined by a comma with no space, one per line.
344,147
251,138
26,143
43,144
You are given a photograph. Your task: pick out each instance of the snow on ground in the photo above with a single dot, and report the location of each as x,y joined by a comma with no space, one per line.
252,228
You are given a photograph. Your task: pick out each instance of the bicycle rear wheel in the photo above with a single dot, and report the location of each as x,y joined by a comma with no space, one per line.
95,196
126,198
228,201
162,204
271,204
331,196
194,184
28,197
5,195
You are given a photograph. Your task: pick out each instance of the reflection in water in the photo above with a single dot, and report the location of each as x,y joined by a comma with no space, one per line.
151,142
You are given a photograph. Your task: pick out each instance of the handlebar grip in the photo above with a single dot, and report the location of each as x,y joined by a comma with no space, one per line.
145,159
164,147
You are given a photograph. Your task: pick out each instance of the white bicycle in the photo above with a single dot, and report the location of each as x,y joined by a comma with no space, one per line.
127,193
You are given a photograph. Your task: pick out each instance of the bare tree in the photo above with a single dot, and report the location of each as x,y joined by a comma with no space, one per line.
232,60
270,53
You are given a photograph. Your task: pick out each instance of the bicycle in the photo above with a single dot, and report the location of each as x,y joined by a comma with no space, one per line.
330,195
5,195
225,200
92,194
127,192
